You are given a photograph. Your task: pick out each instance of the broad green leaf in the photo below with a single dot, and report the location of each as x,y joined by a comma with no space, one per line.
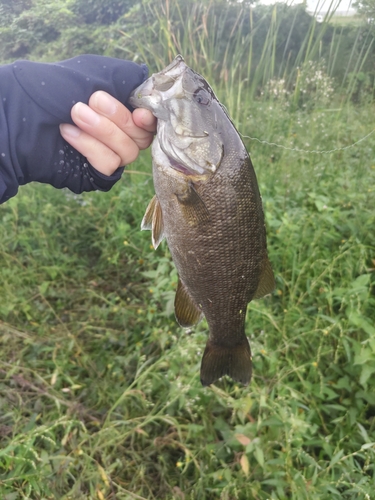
359,321
259,455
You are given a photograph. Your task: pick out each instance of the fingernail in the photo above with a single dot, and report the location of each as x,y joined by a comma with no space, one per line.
106,103
86,114
69,130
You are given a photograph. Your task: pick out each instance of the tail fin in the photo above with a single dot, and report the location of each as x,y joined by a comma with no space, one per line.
220,360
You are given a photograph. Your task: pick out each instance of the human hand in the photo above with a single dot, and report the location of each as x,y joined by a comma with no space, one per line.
107,133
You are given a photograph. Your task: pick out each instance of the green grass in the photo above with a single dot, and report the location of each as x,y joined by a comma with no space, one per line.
100,394
348,21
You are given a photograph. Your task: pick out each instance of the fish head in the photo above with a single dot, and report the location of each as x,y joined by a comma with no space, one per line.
191,120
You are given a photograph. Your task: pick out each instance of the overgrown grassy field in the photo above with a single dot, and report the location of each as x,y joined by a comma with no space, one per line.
100,395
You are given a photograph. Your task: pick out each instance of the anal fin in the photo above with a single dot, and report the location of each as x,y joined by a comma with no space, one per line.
153,219
266,283
186,311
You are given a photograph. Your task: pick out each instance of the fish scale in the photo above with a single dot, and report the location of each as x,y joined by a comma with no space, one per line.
208,207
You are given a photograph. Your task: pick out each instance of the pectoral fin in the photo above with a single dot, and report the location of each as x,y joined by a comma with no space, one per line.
192,205
267,281
186,311
153,219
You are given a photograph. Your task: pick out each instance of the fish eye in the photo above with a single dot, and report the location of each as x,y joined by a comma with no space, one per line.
201,97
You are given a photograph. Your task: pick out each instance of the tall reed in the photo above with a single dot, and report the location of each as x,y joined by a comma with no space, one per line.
240,48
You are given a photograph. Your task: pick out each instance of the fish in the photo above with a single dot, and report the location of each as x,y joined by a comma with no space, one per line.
208,207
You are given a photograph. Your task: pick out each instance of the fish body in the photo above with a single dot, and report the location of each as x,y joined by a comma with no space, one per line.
208,207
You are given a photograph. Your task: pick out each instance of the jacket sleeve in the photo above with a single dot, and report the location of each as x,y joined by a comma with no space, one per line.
35,98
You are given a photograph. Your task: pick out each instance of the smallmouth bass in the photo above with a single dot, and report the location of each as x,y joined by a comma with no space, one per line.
208,207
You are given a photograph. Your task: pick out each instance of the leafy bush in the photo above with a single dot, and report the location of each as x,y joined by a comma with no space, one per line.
101,11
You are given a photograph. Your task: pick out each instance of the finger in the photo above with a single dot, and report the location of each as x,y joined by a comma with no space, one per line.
106,131
114,110
143,118
101,157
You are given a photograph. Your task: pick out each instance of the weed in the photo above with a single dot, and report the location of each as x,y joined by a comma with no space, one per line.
99,388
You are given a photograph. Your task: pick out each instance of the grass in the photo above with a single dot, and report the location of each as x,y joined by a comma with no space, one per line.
100,391
99,388
353,20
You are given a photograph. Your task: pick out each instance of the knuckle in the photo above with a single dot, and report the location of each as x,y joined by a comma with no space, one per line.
113,161
131,154
144,142
110,130
126,119
106,163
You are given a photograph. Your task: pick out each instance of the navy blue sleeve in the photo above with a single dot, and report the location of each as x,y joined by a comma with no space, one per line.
35,98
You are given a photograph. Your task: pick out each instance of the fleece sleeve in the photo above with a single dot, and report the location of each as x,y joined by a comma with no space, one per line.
35,98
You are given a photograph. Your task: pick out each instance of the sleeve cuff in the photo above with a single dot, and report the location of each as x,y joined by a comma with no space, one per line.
101,181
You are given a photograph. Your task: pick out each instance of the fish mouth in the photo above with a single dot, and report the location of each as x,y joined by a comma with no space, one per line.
144,90
165,80
186,143
176,62
158,87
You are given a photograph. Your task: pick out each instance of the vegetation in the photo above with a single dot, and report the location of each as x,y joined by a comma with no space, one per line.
99,388
366,9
